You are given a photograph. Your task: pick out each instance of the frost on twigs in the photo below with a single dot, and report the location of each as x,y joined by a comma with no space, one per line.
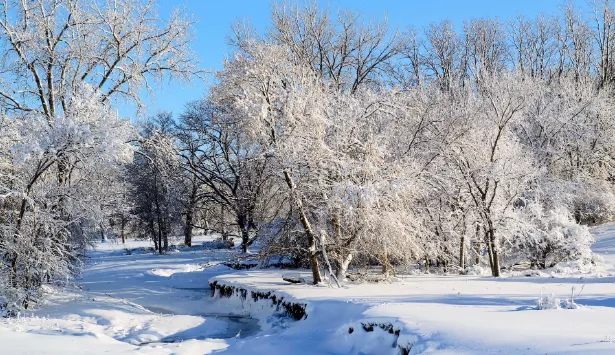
548,302
553,302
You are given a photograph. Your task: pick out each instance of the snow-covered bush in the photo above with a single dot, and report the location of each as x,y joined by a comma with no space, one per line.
219,244
13,300
571,304
592,201
477,270
547,237
552,302
589,200
548,302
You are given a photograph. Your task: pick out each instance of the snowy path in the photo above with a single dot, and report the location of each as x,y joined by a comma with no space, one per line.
148,304
141,303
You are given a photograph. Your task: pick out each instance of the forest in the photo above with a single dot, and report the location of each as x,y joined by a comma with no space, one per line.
331,141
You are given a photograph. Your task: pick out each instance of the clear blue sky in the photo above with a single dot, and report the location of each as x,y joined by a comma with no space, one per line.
215,17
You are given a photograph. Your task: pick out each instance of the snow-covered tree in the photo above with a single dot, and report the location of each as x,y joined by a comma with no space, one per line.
279,103
156,182
546,236
47,224
490,159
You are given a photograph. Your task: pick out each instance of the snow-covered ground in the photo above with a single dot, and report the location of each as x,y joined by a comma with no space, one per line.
138,303
149,304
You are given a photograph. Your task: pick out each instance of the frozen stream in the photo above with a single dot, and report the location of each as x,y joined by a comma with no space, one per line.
237,327
173,288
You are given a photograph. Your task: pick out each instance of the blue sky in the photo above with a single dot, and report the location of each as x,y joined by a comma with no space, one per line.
216,16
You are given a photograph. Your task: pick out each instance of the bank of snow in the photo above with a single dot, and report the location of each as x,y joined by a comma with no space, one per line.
432,315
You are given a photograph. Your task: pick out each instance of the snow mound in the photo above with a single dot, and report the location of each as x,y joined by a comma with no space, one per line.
179,268
374,336
552,302
548,302
477,270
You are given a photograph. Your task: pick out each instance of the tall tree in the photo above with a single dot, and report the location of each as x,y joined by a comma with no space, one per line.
233,170
156,182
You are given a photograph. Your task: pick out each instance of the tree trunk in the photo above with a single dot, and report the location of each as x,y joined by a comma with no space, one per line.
494,261
487,239
495,271
242,221
477,245
123,229
158,215
205,217
307,227
189,214
64,175
489,253
14,255
477,251
223,224
387,268
153,234
188,229
159,238
165,236
13,274
326,258
342,267
462,263
341,263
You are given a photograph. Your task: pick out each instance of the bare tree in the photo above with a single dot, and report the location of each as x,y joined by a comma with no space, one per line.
577,45
443,54
534,46
604,36
156,182
485,41
343,48
50,47
234,171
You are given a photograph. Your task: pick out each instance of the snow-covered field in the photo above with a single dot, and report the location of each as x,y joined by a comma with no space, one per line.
149,304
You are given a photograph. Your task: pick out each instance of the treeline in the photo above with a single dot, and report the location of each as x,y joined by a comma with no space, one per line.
334,140
330,140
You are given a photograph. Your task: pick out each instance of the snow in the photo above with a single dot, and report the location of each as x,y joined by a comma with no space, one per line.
129,303
605,243
473,314
145,303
